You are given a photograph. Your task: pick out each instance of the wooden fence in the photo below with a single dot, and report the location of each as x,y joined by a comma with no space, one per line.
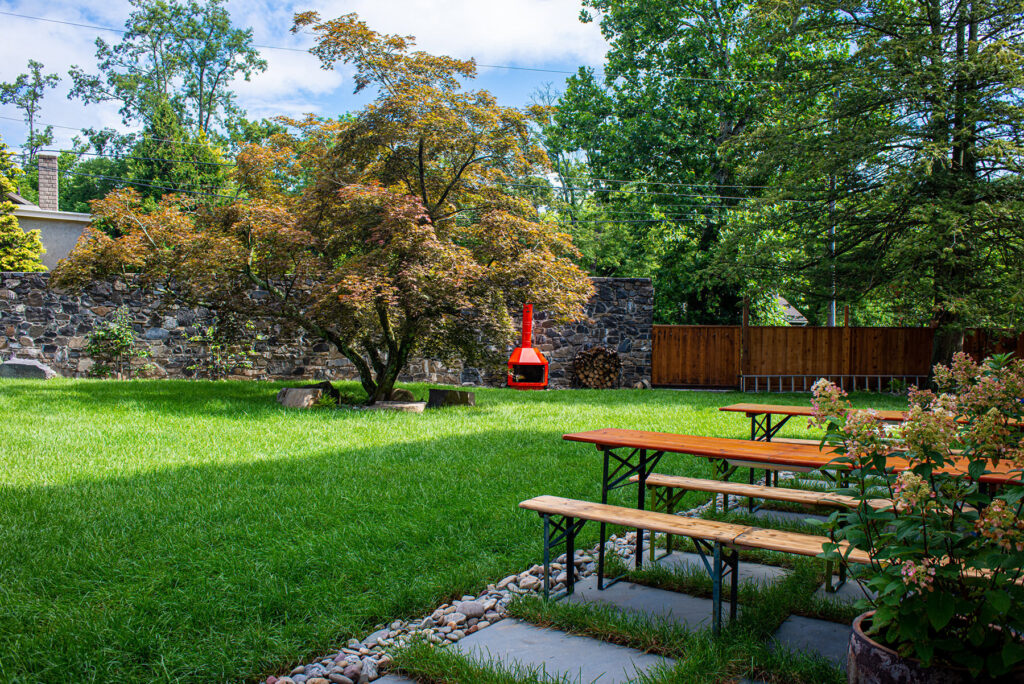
792,358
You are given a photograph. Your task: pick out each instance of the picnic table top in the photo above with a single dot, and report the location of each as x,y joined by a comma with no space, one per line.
784,410
766,453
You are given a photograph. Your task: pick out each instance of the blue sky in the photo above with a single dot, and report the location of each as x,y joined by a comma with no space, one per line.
541,34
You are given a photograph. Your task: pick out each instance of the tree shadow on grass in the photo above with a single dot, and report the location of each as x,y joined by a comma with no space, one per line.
211,572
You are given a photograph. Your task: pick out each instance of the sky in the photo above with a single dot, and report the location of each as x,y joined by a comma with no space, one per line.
537,34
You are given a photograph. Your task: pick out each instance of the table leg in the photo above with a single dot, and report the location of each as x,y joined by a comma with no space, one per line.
640,502
604,530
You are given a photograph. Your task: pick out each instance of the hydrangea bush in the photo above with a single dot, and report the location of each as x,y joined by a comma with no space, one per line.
947,555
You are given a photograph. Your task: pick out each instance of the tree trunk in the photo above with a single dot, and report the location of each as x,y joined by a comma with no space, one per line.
948,339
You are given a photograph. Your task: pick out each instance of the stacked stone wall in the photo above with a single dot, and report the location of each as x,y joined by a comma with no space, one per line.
39,323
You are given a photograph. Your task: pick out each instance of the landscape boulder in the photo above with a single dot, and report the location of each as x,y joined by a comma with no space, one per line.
26,369
299,397
446,397
399,394
400,406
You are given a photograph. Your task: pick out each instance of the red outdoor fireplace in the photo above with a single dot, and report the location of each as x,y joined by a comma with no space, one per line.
527,367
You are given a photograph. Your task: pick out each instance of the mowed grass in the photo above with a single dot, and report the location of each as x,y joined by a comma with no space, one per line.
197,532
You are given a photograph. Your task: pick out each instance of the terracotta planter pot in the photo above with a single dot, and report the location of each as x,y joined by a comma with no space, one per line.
869,662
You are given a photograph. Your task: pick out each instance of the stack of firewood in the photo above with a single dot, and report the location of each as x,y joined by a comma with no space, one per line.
597,368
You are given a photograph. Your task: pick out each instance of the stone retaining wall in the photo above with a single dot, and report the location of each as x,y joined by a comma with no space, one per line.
39,323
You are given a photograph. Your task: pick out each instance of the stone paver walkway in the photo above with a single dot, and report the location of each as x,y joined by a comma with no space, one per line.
558,655
479,628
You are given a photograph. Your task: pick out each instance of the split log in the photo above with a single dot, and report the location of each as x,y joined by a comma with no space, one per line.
597,368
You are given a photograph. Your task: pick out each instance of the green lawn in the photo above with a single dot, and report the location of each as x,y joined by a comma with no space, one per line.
196,532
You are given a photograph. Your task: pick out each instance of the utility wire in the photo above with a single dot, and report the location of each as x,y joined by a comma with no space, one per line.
156,159
139,137
294,49
651,193
148,185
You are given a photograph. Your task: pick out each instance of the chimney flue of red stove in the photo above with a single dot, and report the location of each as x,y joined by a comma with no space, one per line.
527,367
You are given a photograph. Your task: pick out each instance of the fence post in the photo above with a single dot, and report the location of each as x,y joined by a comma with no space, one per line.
743,340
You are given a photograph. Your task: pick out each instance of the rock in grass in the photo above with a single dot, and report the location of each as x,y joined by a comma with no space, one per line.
399,394
26,369
294,397
443,397
401,406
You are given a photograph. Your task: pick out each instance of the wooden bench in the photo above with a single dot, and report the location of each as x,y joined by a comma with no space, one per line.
563,519
808,497
667,490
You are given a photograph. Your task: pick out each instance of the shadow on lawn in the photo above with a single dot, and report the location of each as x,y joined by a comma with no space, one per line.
214,573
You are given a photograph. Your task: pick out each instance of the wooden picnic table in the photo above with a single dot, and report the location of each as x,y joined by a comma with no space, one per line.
636,453
763,429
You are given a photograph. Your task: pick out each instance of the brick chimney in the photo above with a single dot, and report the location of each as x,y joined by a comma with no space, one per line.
47,181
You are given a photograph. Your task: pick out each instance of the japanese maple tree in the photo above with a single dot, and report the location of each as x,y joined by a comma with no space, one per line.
388,233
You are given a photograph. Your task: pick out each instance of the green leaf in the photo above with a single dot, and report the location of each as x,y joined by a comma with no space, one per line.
940,611
999,600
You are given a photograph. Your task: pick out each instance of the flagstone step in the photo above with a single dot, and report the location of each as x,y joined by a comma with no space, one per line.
850,593
558,654
748,572
820,637
683,609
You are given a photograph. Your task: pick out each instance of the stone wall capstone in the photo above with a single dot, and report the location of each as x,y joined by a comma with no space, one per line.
52,327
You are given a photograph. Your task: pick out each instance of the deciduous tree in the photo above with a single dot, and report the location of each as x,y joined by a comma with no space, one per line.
386,234
26,93
899,163
184,53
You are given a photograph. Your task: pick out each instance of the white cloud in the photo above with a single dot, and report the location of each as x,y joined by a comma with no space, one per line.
522,32
517,32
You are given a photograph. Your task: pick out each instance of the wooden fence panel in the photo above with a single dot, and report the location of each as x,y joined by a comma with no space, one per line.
717,356
695,355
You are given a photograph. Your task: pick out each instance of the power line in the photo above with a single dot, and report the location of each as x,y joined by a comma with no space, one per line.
138,137
666,183
488,66
156,159
148,185
653,193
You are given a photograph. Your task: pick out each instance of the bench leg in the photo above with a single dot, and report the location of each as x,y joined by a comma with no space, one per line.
547,555
565,530
733,559
716,590
723,562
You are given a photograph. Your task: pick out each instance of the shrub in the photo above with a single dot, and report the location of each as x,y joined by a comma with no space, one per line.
112,346
947,556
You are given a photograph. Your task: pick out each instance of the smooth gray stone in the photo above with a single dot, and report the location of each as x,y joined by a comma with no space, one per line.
395,679
749,572
26,369
851,592
827,639
683,609
557,654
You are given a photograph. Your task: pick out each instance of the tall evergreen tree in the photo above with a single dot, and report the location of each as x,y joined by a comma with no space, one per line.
899,164
19,251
